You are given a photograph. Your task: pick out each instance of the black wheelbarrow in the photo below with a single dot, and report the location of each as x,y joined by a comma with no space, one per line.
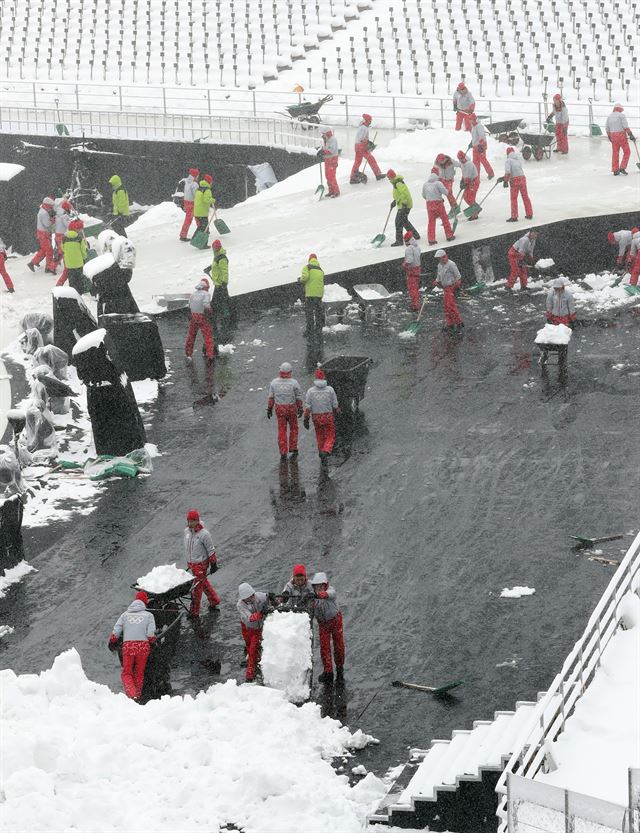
537,145
347,375
505,131
307,111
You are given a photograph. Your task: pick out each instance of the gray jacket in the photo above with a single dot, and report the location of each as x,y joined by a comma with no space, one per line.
623,238
448,274
560,303
463,100
43,220
330,147
469,170
433,190
321,398
478,134
63,219
362,133
525,245
258,605
136,624
199,302
190,188
412,253
562,115
513,165
298,592
285,391
635,245
198,546
617,123
326,609
448,171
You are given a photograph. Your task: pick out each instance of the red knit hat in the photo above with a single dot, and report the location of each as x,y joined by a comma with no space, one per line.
313,256
510,150
366,118
216,244
208,178
441,157
408,235
391,173
435,171
299,570
462,86
76,225
634,230
193,515
142,597
319,374
195,173
462,155
611,238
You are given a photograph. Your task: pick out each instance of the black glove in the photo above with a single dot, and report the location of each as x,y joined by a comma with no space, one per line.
320,154
455,109
213,567
370,146
632,137
500,179
207,270
305,422
505,184
393,204
269,413
572,325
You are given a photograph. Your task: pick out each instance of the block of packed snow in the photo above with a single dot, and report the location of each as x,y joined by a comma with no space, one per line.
554,334
88,342
334,292
286,654
517,592
545,263
163,578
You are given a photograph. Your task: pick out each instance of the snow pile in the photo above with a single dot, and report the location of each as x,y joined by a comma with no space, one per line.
516,592
8,170
600,741
88,342
370,294
335,292
157,215
602,295
97,265
226,349
554,334
13,576
545,263
337,328
6,630
286,654
162,578
78,757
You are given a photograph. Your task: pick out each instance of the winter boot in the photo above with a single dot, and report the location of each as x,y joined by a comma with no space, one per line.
512,220
380,176
339,674
31,266
326,677
397,243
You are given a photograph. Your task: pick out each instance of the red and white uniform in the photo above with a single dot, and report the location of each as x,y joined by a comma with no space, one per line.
471,182
286,396
330,628
362,151
137,627
561,116
200,306
448,277
330,154
514,175
189,195
618,131
321,403
3,271
251,621
479,147
463,101
622,240
634,258
520,253
433,192
561,308
44,227
200,552
411,266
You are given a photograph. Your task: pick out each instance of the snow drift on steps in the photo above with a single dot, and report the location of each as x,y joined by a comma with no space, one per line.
79,757
286,654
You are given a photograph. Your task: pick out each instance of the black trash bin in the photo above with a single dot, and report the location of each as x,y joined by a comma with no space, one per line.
138,343
347,375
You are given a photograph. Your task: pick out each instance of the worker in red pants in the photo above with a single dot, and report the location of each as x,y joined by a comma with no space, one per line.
3,271
201,557
634,257
619,134
321,404
61,226
446,170
329,619
44,228
448,277
200,306
561,308
561,116
137,629
515,179
286,396
479,146
464,105
411,266
363,148
470,181
622,240
518,256
329,153
188,197
252,607
433,191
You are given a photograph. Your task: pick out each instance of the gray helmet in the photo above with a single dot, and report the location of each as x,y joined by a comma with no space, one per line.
285,367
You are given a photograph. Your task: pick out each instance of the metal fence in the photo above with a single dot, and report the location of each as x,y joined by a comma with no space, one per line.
534,807
389,111
556,705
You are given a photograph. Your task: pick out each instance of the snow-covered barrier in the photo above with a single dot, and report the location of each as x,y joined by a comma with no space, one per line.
77,756
286,654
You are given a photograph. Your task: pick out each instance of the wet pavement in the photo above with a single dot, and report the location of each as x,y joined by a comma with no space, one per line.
465,472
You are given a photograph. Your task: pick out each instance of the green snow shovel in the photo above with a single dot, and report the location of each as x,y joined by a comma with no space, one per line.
61,127
200,238
379,239
453,212
436,691
635,144
632,290
476,208
414,327
320,189
584,543
93,230
475,288
221,227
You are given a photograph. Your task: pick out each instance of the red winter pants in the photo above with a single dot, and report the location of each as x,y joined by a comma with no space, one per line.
252,640
635,270
518,185
201,585
188,217
413,286
325,431
480,159
436,210
451,312
3,272
463,118
470,191
558,319
619,142
134,661
59,237
518,269
45,252
330,169
561,138
287,416
327,631
363,153
202,323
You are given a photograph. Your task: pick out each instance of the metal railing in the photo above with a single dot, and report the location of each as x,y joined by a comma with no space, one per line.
160,126
389,111
548,720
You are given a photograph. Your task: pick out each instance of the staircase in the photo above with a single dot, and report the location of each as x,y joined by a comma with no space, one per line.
453,788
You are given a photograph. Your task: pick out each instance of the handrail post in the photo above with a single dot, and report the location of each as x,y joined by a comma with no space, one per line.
393,104
441,112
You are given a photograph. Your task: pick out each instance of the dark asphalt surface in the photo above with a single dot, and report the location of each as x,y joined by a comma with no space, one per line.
465,473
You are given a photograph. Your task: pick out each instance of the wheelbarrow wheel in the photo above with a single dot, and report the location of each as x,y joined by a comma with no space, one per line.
513,139
314,119
538,154
526,152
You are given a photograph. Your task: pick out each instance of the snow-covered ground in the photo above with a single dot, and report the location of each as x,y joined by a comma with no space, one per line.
76,756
